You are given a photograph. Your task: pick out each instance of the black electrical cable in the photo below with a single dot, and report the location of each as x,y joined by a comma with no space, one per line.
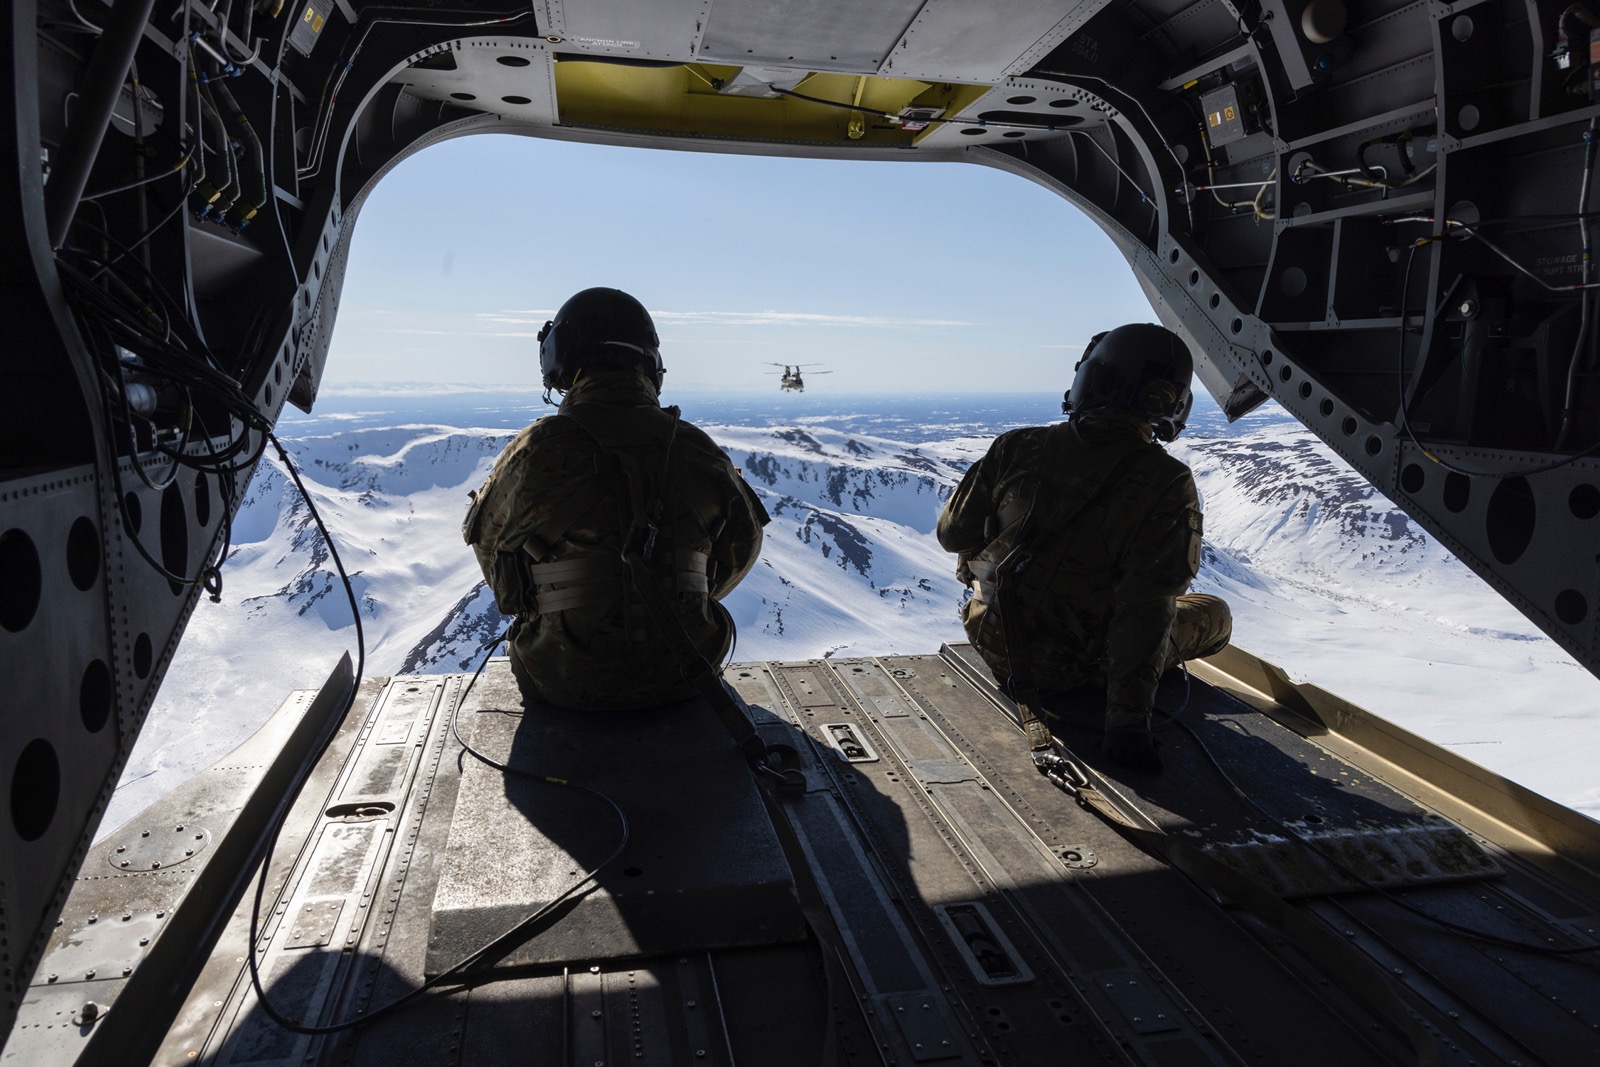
133,442
172,310
733,645
119,389
163,359
355,688
221,463
504,768
154,302
151,232
518,931
160,358
1333,861
1400,379
210,576
130,528
505,940
227,487
114,383
876,113
224,460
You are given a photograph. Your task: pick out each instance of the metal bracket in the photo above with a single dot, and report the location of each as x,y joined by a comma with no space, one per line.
988,953
844,737
923,1026
1078,857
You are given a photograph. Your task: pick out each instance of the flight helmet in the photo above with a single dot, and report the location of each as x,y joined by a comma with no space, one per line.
598,329
1141,368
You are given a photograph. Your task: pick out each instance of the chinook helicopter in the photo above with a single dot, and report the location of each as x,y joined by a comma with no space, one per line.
1376,215
791,380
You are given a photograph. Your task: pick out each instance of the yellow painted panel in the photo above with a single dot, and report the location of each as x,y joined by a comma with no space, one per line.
685,100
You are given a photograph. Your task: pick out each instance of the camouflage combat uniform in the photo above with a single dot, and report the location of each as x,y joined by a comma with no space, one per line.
548,526
1120,521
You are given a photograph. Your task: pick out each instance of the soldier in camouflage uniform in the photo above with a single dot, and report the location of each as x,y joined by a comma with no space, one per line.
612,467
1080,540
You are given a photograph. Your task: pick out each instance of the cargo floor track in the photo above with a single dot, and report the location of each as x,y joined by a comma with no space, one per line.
1305,883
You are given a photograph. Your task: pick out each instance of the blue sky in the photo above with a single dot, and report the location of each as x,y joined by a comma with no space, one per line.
897,277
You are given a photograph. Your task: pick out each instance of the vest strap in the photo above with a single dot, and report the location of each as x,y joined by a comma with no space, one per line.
599,580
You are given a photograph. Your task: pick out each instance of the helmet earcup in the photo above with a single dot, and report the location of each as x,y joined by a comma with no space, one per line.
1158,398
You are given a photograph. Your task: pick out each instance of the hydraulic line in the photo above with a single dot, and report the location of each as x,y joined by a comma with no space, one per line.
205,190
1369,176
249,25
183,161
97,97
1262,214
1149,120
222,199
1143,196
342,69
243,212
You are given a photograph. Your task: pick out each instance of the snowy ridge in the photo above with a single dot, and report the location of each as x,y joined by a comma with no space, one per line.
1284,515
1326,578
849,565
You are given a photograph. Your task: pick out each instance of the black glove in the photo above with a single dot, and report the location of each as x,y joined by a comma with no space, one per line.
1133,747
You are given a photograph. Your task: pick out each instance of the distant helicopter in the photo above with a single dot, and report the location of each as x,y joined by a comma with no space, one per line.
791,379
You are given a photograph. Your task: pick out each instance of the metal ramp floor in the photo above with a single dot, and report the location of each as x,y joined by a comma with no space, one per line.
930,899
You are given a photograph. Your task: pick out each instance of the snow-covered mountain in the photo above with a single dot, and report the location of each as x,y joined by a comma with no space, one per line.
1326,578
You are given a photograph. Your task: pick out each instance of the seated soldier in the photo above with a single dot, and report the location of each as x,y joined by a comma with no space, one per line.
612,529
1080,540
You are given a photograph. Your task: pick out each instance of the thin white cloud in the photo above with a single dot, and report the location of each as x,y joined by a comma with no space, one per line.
793,318
517,318
669,340
743,318
408,389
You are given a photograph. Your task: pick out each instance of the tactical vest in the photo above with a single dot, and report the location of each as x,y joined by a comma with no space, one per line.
634,457
1080,502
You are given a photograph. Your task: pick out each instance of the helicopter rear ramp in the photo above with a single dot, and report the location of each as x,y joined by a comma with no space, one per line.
1299,886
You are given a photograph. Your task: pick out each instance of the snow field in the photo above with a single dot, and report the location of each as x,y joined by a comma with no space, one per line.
1326,578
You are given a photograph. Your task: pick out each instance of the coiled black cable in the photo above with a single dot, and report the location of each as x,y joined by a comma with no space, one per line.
512,936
